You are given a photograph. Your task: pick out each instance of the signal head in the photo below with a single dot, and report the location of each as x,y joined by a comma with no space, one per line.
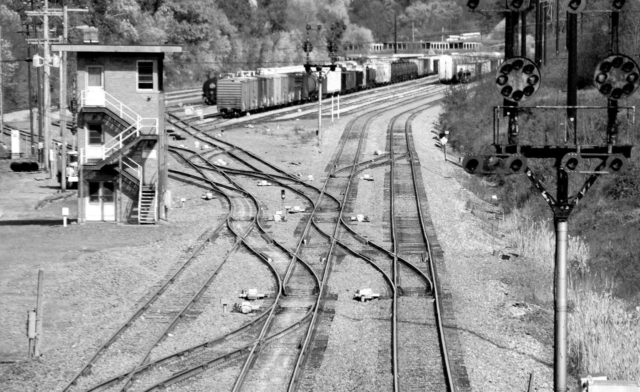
617,76
517,5
517,79
618,4
576,6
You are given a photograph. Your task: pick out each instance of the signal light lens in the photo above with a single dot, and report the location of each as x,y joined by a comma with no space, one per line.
618,4
627,67
473,4
606,89
533,80
617,62
507,91
572,163
529,69
615,163
517,5
502,80
517,95
601,78
617,76
517,64
574,4
528,91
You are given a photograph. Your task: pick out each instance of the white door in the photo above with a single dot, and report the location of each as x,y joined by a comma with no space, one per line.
100,205
95,87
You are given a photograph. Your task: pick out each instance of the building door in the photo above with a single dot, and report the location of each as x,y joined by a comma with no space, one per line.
95,87
101,204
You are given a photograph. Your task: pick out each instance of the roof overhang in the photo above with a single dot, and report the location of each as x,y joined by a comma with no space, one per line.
93,48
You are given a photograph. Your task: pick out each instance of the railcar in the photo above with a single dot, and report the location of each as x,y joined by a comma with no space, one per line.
270,88
209,91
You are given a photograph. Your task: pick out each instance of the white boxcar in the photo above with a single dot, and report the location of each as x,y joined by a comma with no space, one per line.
383,72
333,82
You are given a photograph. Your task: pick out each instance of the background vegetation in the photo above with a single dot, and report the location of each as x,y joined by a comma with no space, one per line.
604,228
220,36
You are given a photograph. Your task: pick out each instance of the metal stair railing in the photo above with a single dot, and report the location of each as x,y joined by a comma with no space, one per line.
133,166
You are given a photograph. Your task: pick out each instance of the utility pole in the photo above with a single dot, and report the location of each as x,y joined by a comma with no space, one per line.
46,85
63,102
1,88
46,41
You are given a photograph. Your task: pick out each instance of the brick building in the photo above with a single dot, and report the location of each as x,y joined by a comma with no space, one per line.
122,144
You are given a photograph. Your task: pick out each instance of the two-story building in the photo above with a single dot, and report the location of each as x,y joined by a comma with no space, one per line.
122,144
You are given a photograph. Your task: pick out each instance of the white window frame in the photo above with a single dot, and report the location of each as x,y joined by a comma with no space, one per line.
154,75
101,76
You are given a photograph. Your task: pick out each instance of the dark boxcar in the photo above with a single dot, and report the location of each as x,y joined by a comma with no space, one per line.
237,95
209,91
309,87
348,81
360,79
370,77
263,98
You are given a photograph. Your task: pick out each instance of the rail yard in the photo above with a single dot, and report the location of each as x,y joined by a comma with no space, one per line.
259,204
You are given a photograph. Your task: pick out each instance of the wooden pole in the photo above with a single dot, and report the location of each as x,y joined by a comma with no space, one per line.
1,88
39,315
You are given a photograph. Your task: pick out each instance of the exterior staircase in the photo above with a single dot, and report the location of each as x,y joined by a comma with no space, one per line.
147,205
134,129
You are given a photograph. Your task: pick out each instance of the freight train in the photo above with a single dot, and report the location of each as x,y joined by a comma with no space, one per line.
270,88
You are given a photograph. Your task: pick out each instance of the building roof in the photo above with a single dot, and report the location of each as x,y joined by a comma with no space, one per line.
95,48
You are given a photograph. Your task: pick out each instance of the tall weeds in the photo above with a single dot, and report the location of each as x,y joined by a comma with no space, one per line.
603,337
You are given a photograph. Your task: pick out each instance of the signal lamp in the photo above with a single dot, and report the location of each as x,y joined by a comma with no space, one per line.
571,162
616,162
518,78
332,67
307,68
618,4
514,164
473,4
471,164
617,76
575,6
518,5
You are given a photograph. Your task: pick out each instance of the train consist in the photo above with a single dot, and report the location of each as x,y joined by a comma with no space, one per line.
270,88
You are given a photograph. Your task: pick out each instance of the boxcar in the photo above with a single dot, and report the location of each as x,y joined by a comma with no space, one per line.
332,82
348,81
237,95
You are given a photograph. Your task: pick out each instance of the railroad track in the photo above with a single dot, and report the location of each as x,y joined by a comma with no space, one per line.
267,353
355,167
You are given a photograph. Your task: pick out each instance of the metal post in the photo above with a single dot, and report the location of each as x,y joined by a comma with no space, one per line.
30,98
523,34
572,71
538,33
557,28
39,316
560,355
63,104
320,78
46,93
